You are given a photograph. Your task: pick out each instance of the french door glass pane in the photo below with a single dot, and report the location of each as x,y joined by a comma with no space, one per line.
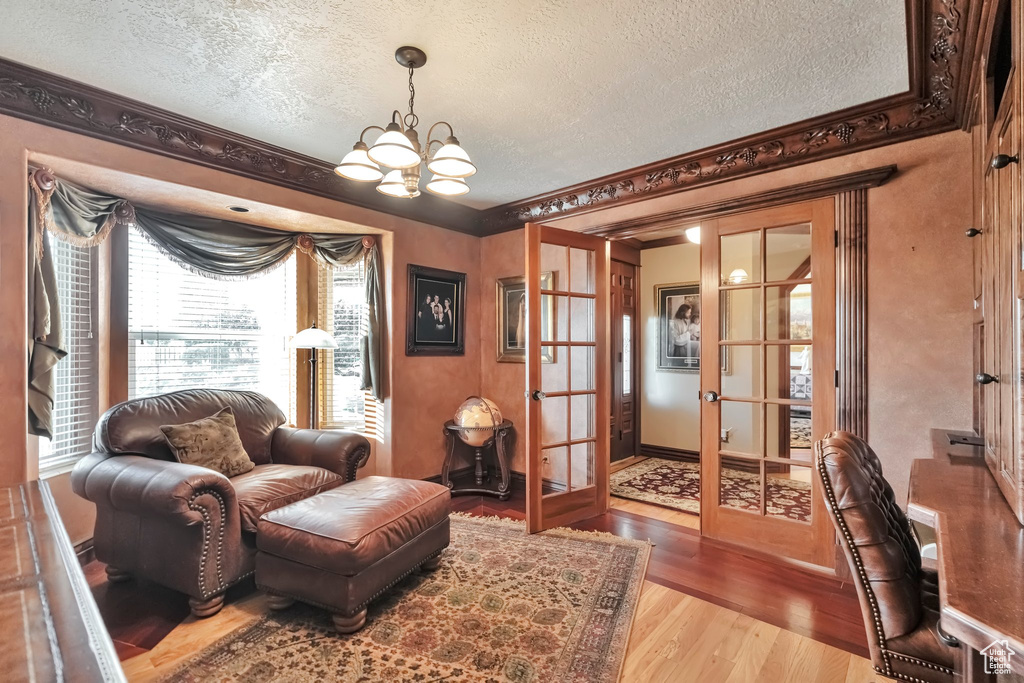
741,427
554,375
787,252
740,258
739,485
581,323
581,457
788,492
788,373
554,325
788,312
742,377
555,465
554,262
582,414
582,368
788,432
740,313
581,271
554,420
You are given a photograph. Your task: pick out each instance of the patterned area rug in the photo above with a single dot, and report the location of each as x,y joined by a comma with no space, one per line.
676,485
503,606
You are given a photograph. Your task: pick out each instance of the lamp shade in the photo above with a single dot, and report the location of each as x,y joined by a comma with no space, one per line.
314,338
447,187
357,165
394,150
693,234
451,161
393,185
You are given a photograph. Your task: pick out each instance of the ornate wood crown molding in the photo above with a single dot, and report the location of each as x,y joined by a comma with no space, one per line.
52,100
942,42
938,32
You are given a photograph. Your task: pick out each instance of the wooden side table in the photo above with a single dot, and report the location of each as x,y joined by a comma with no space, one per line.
498,439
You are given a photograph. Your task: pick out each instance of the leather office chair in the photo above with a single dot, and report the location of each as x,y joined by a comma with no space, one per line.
187,527
899,599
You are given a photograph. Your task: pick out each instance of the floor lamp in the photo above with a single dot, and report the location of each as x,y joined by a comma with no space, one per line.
313,338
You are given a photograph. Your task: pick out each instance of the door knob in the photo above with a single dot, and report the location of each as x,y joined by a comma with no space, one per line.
538,395
711,396
1003,160
985,378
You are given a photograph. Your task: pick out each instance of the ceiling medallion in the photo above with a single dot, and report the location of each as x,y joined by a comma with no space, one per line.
398,148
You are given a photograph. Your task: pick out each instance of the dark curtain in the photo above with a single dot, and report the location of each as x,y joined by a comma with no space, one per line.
211,247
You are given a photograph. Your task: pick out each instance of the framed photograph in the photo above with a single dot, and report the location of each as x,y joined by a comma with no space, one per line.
437,310
678,307
511,308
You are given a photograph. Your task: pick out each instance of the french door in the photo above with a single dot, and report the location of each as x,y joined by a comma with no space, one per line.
568,397
768,377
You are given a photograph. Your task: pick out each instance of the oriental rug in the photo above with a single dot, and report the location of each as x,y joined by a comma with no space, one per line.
503,606
676,485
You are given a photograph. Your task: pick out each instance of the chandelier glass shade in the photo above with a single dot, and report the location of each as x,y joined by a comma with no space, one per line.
398,148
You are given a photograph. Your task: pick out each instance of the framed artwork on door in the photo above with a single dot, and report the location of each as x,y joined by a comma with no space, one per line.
678,307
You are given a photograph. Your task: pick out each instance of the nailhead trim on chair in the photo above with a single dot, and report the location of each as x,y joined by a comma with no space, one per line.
865,583
355,463
207,523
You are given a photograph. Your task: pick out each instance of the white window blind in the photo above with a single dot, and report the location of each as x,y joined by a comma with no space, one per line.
188,331
76,377
343,312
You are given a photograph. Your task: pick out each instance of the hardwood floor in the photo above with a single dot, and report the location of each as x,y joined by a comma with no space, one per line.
707,612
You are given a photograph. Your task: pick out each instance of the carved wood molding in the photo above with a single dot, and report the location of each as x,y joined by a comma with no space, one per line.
52,100
937,28
852,311
790,194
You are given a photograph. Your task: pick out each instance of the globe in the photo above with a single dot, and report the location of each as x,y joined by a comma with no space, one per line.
477,412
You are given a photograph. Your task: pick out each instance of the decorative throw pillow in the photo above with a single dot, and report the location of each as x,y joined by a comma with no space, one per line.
211,442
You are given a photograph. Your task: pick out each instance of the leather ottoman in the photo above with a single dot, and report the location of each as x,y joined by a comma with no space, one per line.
342,548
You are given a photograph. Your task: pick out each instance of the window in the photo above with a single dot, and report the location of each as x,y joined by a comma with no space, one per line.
76,377
187,331
343,312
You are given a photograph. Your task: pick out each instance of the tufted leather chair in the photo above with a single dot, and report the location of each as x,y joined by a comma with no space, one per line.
898,598
191,528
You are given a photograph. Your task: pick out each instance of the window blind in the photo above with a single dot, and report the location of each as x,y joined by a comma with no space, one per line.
189,331
343,311
76,377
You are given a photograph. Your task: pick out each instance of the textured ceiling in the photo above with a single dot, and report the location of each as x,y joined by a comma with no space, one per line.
542,94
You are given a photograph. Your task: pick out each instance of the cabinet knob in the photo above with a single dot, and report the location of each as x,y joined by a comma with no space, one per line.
1003,160
985,378
972,232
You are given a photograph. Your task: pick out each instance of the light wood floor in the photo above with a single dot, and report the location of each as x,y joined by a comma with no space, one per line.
675,638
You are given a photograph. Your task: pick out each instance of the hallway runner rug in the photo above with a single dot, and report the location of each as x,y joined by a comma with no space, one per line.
676,485
503,606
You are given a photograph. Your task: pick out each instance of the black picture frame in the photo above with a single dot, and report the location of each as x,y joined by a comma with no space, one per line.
667,300
427,335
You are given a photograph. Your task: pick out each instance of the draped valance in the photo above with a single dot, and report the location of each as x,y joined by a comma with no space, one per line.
208,246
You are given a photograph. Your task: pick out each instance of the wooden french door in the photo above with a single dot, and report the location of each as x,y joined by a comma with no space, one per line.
625,437
568,406
767,377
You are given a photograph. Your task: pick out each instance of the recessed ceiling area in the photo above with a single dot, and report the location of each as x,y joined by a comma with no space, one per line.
541,94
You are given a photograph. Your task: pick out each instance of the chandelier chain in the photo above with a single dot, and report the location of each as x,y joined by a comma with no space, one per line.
411,120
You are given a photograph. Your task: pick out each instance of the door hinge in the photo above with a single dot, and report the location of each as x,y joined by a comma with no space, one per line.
837,378
837,239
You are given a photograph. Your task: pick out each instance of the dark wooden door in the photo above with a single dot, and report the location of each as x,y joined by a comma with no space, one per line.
625,436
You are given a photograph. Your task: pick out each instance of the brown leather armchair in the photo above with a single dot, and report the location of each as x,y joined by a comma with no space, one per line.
190,528
899,599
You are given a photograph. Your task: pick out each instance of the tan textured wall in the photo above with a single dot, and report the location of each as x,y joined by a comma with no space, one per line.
502,256
919,285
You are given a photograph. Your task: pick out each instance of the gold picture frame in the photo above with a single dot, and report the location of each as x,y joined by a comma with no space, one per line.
511,295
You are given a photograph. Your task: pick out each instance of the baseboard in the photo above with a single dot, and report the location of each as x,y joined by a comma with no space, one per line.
518,479
669,453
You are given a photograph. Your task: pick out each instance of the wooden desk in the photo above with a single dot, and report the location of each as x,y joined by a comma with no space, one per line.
50,628
980,550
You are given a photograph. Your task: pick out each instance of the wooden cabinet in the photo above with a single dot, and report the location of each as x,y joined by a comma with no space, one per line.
999,285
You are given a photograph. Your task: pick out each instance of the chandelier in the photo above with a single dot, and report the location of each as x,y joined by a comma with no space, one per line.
398,148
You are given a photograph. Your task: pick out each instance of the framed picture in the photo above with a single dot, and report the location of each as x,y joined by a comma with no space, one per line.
511,308
678,307
437,310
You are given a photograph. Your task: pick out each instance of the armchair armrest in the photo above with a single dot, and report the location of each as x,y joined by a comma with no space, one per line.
148,487
334,450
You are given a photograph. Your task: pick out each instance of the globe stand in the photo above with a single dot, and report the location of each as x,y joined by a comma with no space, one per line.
499,441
